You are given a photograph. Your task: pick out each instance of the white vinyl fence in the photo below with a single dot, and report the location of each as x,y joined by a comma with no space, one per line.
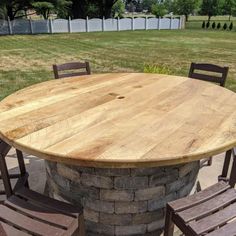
23,26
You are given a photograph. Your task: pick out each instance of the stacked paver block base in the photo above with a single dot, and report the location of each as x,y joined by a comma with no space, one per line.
121,201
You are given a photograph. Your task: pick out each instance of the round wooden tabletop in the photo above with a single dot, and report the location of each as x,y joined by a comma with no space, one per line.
120,120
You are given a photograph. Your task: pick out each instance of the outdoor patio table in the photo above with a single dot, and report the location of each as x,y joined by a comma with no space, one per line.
121,144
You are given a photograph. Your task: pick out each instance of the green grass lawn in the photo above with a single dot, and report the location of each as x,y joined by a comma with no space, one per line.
25,60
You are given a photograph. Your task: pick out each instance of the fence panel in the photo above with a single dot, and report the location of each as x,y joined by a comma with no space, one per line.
126,24
175,23
78,25
40,26
4,28
152,23
111,25
95,25
60,26
139,23
21,26
165,23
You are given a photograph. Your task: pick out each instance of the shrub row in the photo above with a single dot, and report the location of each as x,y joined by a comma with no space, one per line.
217,26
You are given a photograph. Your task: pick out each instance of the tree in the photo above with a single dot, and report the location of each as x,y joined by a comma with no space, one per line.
225,26
229,7
203,24
185,7
100,8
210,8
169,5
118,9
147,4
45,8
158,9
13,7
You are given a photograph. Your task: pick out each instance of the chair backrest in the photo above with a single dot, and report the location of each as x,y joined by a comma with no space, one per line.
220,73
71,67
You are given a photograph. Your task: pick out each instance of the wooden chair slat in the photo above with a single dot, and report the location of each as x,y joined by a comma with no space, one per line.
25,223
7,230
212,221
71,66
209,67
209,78
182,204
228,230
72,74
208,206
42,213
50,203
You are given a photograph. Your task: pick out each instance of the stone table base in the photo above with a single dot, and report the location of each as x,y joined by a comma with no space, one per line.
121,201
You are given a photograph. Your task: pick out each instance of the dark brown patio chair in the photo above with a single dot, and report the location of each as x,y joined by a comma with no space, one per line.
211,73
21,164
26,212
211,212
72,66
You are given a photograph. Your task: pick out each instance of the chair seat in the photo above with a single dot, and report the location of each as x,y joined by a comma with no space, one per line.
27,212
209,212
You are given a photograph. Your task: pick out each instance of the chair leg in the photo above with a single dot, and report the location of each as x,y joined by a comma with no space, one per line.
169,225
223,176
21,162
4,149
81,226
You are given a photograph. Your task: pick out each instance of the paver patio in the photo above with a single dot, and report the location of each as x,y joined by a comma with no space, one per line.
37,180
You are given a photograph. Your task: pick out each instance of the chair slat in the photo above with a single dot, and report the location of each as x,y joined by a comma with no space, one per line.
50,203
228,230
192,200
211,222
208,67
208,206
7,230
209,78
45,214
25,223
71,75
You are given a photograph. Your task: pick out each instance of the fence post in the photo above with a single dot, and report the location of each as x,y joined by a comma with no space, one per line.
132,23
31,26
9,26
51,26
87,24
146,23
118,23
170,22
103,24
159,23
183,21
69,25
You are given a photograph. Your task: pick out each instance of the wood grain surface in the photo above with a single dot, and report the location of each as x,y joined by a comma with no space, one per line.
120,120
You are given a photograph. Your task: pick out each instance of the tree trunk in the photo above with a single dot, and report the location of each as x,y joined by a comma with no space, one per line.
209,18
186,17
78,9
10,12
